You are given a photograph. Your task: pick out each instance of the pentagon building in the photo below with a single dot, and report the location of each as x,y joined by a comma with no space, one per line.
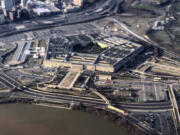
109,54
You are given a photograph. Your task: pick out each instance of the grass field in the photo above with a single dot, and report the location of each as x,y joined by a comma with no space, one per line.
42,43
67,82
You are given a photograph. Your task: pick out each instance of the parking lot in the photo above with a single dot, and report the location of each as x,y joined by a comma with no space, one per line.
151,91
77,29
161,121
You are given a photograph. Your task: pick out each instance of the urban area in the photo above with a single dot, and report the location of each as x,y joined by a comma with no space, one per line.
119,58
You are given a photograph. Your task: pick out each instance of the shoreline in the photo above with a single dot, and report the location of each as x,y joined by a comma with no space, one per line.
52,106
107,115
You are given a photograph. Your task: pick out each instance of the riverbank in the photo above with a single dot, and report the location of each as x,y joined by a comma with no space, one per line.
114,118
103,114
26,119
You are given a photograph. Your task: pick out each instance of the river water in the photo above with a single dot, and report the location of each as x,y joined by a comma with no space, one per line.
20,119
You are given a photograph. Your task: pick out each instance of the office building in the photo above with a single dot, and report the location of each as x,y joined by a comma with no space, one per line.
23,3
7,4
2,19
77,2
117,54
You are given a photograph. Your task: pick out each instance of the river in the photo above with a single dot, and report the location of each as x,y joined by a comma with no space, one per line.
22,119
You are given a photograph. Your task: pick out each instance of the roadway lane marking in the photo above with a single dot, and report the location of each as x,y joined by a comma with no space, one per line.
144,93
9,83
168,126
143,90
10,78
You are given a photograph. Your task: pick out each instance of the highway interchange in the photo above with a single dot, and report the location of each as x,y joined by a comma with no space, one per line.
11,83
38,95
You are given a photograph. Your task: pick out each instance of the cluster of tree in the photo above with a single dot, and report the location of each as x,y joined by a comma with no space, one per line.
116,119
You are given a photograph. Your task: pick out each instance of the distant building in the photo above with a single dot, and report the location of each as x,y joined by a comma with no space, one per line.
2,19
47,1
19,12
12,15
77,2
41,11
7,4
23,3
24,14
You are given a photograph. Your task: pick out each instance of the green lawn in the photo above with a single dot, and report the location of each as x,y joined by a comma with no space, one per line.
42,43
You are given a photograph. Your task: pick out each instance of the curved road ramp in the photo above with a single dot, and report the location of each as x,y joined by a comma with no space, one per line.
109,106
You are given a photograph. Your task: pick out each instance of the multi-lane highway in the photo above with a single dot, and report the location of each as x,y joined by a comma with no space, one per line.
99,10
102,9
144,107
98,103
11,83
8,81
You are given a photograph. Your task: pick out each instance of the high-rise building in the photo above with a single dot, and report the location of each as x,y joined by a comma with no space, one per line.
19,13
78,2
23,3
12,15
7,4
47,1
2,19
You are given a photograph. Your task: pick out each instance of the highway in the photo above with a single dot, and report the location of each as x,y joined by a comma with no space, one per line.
128,106
62,97
141,108
97,103
100,10
147,129
8,81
